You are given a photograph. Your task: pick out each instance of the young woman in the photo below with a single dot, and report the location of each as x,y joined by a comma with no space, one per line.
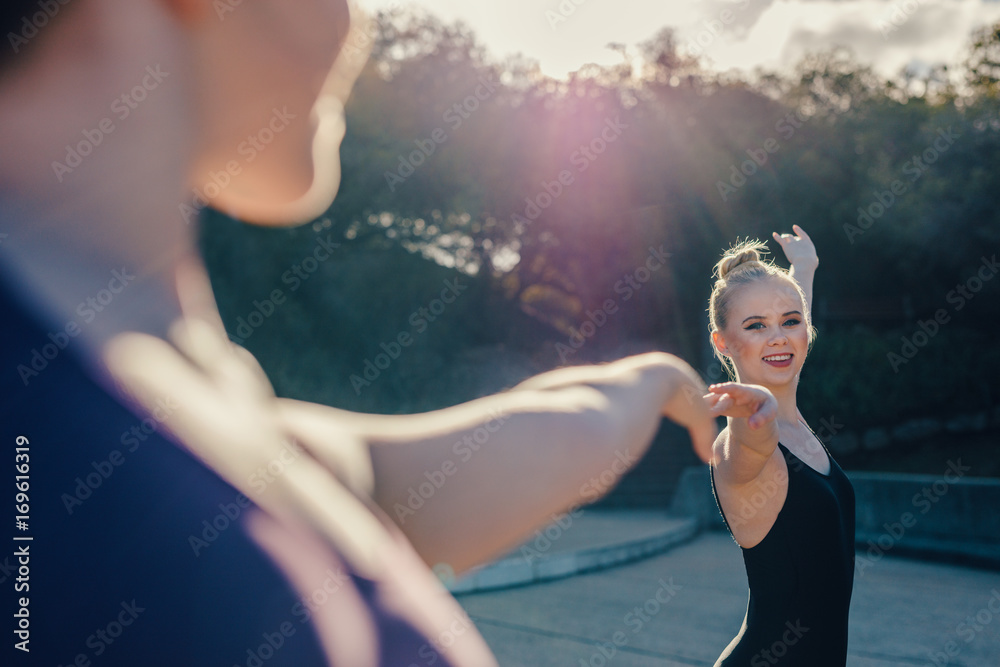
785,500
111,111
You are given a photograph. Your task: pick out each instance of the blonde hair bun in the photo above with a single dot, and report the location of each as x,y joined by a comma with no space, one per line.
742,255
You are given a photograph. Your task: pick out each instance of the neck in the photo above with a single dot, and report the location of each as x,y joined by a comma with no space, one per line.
788,411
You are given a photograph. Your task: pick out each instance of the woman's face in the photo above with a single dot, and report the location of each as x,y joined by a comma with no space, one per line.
766,335
272,77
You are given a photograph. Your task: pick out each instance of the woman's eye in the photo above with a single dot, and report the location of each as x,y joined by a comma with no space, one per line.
755,325
791,322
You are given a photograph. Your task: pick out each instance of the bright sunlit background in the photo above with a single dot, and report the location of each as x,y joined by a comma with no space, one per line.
883,121
564,35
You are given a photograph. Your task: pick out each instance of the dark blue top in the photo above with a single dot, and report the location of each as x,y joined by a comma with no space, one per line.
113,574
800,575
138,555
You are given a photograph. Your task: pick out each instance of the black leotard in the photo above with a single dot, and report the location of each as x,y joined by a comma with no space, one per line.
800,575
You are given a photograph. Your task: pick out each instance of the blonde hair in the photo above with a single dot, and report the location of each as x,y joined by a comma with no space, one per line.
741,265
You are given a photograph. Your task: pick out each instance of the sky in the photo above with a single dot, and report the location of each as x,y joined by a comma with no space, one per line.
564,35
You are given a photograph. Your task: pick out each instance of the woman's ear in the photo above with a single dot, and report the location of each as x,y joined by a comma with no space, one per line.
720,343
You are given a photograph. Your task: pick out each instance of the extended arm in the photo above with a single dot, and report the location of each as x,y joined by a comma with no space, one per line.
469,482
752,432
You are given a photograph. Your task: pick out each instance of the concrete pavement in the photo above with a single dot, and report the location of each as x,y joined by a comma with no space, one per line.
682,607
584,540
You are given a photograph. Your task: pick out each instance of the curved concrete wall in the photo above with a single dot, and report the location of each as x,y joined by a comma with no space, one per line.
949,516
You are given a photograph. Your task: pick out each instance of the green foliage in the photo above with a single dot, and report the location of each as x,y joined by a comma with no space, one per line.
849,376
843,134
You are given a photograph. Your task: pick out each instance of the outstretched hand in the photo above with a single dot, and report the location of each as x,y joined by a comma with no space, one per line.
752,402
798,248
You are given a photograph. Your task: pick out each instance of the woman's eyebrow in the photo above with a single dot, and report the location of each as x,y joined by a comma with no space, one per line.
761,317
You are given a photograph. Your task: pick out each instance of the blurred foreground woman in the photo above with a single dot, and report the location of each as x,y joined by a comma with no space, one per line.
264,538
785,500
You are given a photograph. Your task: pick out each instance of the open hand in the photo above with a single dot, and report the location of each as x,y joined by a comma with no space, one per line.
752,402
799,249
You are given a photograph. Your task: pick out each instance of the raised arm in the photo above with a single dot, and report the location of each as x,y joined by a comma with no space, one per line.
801,254
470,482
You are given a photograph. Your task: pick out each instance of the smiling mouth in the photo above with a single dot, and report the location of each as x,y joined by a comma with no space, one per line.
778,360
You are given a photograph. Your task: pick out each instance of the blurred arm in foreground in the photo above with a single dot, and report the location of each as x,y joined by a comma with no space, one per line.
466,483
114,114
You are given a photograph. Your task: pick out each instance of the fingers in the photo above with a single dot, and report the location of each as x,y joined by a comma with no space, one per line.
712,399
739,394
732,399
766,412
799,235
718,404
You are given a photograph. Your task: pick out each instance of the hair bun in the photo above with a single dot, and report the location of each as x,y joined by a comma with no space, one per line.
742,254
